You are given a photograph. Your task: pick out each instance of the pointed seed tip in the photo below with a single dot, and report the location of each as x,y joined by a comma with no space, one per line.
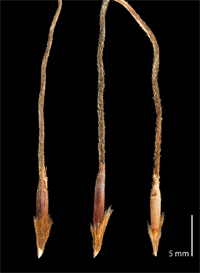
40,252
155,253
95,254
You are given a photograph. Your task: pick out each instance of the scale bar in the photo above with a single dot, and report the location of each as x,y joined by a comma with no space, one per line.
191,235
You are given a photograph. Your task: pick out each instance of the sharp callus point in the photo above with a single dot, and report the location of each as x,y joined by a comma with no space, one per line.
42,230
98,232
156,218
42,221
155,235
100,218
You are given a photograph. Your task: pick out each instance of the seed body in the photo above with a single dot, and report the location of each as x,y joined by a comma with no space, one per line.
42,201
42,221
99,196
155,204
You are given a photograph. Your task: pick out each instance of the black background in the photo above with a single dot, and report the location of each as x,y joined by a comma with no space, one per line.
71,134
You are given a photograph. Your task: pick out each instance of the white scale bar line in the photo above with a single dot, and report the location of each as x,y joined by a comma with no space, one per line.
191,235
